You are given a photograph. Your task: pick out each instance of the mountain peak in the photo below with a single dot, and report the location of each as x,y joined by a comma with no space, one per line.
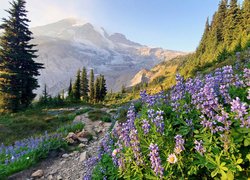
120,38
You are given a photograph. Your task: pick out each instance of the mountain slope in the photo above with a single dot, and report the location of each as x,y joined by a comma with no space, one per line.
70,44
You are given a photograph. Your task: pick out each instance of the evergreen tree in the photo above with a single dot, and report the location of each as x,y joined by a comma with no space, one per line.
123,89
246,24
103,88
62,95
97,90
231,25
45,96
17,67
203,43
91,85
70,90
77,86
84,85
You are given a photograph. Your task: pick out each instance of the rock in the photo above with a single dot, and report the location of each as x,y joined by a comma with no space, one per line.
83,156
65,155
37,174
83,140
50,177
95,138
81,145
70,141
62,162
83,134
71,135
59,177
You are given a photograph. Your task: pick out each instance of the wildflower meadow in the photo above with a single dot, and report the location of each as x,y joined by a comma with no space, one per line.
199,129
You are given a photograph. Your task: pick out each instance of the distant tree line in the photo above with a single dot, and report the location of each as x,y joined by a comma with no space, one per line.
82,89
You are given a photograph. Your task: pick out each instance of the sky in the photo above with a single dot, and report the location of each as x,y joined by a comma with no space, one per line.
170,24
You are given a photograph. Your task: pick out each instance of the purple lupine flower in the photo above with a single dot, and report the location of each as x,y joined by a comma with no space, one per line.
135,145
179,144
178,92
155,160
199,147
151,113
189,122
145,126
124,134
158,120
241,110
246,76
144,96
131,116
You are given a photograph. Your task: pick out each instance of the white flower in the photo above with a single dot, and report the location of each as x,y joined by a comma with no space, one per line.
27,158
172,158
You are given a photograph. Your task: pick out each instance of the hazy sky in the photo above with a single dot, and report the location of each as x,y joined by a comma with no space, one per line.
171,24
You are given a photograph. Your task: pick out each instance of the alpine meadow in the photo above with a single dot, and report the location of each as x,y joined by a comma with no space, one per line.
82,102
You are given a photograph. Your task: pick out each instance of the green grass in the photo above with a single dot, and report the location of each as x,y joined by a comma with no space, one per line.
34,122
96,115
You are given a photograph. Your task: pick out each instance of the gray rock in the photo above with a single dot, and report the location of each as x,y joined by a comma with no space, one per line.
65,155
81,145
37,174
83,140
59,177
50,177
84,156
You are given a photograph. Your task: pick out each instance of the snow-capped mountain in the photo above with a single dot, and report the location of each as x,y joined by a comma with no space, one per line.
68,45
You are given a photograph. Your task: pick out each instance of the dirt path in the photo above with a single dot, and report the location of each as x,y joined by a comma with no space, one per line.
70,166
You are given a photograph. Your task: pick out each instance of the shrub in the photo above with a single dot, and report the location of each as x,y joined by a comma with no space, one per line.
200,130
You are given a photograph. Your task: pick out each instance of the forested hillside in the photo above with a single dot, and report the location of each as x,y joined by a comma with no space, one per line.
227,33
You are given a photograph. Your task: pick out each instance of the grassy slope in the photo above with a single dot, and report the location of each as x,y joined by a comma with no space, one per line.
164,74
35,121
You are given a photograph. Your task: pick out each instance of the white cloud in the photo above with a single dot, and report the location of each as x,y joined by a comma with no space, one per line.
47,11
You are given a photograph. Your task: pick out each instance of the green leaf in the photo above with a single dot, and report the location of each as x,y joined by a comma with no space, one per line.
239,167
248,157
230,175
239,161
214,173
247,142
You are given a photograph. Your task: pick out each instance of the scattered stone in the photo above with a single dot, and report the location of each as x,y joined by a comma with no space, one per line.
95,138
72,136
81,145
50,177
65,155
37,174
62,162
83,156
83,134
83,140
59,177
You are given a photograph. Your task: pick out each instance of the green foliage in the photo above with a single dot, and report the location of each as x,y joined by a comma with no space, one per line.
91,86
96,115
76,127
84,85
76,91
31,158
105,168
17,67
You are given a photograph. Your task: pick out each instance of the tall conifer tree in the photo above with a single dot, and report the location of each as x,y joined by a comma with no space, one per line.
70,90
97,91
77,86
103,88
84,85
17,66
91,85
